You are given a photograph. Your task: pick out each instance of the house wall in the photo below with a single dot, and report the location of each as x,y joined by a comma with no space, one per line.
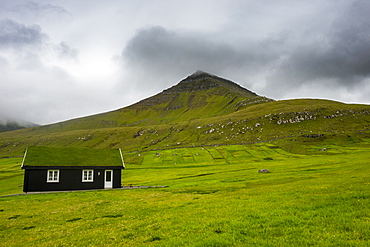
69,179
117,178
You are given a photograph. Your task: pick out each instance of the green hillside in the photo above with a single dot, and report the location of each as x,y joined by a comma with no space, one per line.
203,110
292,123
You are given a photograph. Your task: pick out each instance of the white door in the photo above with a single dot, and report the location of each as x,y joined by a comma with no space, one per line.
108,179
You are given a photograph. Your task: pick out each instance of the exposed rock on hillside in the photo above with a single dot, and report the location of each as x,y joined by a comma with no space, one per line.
263,171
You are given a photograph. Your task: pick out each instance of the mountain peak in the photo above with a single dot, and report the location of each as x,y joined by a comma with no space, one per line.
197,96
200,86
199,74
200,81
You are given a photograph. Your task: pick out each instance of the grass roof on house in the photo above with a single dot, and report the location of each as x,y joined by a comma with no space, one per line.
67,156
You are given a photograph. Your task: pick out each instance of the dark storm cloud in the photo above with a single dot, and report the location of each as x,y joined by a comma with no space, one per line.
351,41
156,49
159,48
340,54
337,53
17,35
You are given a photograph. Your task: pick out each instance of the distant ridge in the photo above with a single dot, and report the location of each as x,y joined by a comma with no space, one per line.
10,125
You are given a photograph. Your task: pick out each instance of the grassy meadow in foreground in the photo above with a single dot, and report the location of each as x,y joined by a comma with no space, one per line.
216,197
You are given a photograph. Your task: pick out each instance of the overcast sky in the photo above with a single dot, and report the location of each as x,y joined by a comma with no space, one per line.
62,59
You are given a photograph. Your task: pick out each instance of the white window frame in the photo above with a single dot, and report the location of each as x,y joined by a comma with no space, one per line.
54,178
89,175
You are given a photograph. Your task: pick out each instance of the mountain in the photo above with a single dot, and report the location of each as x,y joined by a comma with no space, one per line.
10,125
200,95
204,109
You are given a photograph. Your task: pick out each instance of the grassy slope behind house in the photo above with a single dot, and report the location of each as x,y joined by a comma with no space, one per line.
215,197
11,176
300,121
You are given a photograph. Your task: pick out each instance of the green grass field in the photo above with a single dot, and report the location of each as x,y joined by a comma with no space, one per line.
216,197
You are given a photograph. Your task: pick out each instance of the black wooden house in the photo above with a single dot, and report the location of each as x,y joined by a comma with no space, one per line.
59,169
